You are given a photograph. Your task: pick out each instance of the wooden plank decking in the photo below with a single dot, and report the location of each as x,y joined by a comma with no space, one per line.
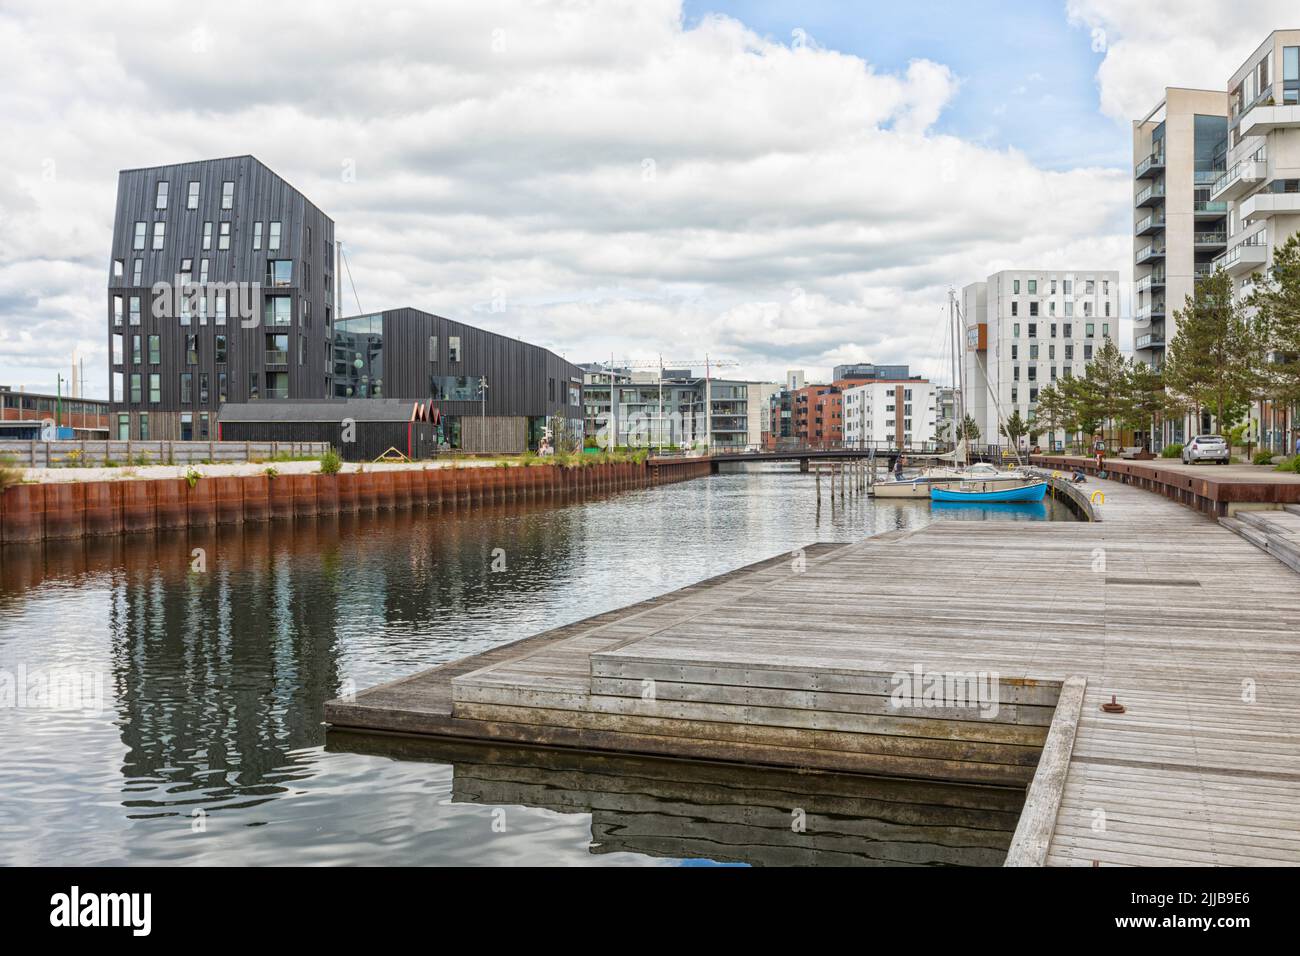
1195,631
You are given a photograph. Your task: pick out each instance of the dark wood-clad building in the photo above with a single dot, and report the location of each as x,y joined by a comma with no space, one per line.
410,354
220,289
360,429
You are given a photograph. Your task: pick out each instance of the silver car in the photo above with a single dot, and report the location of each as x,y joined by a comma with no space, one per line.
1206,448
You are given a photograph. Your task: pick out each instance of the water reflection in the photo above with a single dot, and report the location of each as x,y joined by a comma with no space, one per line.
720,813
215,679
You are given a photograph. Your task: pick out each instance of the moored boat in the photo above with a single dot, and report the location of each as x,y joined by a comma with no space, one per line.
1030,492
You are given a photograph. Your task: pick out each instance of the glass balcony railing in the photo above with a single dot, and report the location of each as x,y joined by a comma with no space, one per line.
1205,206
1151,193
1149,252
1210,238
1154,161
277,357
1154,280
1150,222
1206,177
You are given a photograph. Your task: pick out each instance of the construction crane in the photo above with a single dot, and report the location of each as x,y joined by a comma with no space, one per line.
709,365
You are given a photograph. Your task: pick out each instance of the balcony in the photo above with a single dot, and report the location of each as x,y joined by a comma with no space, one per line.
279,391
1151,340
1202,270
1203,209
276,357
1151,166
1263,119
1150,312
1155,280
1209,240
1241,178
1244,257
1150,253
1150,196
1149,225
1265,205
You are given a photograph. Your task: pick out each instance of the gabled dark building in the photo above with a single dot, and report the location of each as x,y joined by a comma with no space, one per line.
221,288
410,354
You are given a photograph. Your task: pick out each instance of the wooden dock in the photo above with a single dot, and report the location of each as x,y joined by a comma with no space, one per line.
1193,629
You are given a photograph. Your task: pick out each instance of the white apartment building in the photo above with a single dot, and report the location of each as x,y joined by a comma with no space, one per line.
1178,226
1261,181
900,412
1028,328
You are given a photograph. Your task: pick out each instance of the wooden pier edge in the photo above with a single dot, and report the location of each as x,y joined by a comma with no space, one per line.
1033,833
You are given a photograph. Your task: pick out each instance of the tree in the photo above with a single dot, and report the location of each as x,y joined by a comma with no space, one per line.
1276,301
969,430
1050,415
1148,400
1210,363
1109,386
1079,398
1014,428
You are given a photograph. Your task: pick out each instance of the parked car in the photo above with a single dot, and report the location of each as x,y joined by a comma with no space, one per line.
1206,448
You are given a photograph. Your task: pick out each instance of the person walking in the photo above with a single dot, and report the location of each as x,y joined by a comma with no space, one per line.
1099,450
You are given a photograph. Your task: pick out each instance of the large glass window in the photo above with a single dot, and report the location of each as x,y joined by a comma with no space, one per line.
155,388
220,348
123,427
277,384
155,349
135,388
277,310
359,357
144,426
279,272
187,388
277,349
273,240
137,355
187,426
191,350
192,199
135,309
223,238
117,310
138,241
227,195
453,348
257,236
118,348
160,197
207,235
455,388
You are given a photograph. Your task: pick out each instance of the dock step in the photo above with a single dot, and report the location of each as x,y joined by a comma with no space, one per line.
1276,532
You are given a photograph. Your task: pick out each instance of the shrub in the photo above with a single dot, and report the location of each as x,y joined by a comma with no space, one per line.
192,476
9,474
73,459
1290,464
1263,458
1172,451
330,462
271,472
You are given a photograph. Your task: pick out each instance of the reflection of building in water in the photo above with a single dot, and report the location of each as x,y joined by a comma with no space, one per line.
726,813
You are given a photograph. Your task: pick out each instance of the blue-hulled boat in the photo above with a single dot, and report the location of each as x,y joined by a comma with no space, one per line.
1029,492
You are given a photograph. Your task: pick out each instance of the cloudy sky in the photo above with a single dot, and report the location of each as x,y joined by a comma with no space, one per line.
779,184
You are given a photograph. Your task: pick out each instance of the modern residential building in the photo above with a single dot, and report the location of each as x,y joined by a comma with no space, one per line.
896,412
761,395
220,288
869,370
945,412
1027,328
489,392
677,409
1179,226
82,417
1261,181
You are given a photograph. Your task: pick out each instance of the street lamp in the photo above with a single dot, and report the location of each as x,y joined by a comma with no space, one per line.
482,394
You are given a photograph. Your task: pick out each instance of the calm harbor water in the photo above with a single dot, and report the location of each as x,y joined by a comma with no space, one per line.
156,712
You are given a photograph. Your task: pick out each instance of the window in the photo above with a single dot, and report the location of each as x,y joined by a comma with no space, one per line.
1087,353
1089,287
155,349
1015,330
1067,286
203,424
257,236
1051,352
1105,330
277,385
227,195
1033,373
219,304
273,240
1033,330
279,272
1053,330
117,310
1069,309
302,350
1033,287
1069,352
1015,286
138,243
123,427
223,239
277,348
1015,352
160,197
117,348
1068,330
1033,351
1105,287
254,385
191,350
135,388
453,348
144,426
192,199
119,268
1088,330
1033,308
1015,307
187,271
203,271
222,388
155,388
187,426
277,310
1053,287
185,310
219,348
137,271
187,388
134,306
1108,308
207,236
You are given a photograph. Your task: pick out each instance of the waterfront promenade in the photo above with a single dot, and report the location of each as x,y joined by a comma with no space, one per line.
1190,627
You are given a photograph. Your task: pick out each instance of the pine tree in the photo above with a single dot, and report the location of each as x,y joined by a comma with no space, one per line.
1276,300
1050,415
1210,362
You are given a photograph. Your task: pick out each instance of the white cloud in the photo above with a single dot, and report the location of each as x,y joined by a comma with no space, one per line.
1158,43
629,185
